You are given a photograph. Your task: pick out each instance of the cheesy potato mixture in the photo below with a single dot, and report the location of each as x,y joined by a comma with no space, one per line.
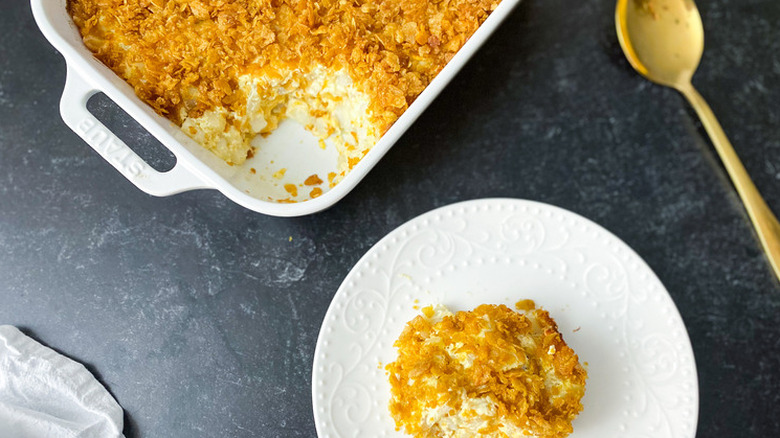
226,71
490,372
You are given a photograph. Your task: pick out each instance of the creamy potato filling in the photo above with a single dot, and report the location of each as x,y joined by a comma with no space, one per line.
326,103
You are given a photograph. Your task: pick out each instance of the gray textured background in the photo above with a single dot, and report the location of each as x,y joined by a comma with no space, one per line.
201,317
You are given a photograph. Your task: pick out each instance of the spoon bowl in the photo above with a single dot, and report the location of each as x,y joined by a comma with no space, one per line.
664,40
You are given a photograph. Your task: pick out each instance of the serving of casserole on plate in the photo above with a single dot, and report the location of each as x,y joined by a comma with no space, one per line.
270,102
607,304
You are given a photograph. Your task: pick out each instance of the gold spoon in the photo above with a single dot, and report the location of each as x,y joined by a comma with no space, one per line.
664,40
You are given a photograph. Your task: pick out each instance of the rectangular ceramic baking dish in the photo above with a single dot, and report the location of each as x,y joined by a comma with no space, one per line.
251,184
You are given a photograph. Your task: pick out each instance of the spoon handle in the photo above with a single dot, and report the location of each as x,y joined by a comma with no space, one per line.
764,221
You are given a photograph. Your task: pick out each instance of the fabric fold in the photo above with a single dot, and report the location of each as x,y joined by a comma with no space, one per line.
43,393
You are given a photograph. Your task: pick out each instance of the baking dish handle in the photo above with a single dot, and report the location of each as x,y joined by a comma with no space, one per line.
73,108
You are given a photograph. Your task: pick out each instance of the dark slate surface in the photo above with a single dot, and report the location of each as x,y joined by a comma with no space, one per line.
201,317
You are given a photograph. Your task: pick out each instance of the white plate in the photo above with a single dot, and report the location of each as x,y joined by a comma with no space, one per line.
610,307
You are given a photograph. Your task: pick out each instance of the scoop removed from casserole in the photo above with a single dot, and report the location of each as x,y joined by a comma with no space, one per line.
489,372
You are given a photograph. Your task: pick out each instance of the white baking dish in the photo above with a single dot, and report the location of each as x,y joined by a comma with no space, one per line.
289,147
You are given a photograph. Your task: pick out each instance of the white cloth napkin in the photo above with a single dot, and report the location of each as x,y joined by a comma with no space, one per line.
45,394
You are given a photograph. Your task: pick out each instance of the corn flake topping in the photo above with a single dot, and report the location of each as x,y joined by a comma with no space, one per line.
491,372
185,57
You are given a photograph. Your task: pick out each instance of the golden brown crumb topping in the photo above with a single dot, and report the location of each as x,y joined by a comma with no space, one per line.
188,54
517,364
